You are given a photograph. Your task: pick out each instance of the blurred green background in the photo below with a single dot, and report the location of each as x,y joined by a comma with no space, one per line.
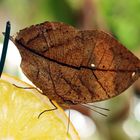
120,18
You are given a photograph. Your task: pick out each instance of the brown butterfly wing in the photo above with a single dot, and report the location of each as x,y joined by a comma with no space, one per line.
72,66
116,68
56,41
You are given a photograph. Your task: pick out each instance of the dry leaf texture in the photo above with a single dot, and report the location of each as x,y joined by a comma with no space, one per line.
73,66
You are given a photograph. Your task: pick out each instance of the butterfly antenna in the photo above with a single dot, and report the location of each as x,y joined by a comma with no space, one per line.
5,46
94,110
106,109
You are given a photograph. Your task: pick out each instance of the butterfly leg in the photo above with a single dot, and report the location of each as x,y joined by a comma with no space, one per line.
27,88
23,87
52,109
55,107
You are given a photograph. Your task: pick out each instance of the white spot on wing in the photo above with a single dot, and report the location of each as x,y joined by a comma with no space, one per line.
133,74
93,65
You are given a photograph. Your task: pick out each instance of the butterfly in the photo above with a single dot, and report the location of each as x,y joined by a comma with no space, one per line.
74,66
